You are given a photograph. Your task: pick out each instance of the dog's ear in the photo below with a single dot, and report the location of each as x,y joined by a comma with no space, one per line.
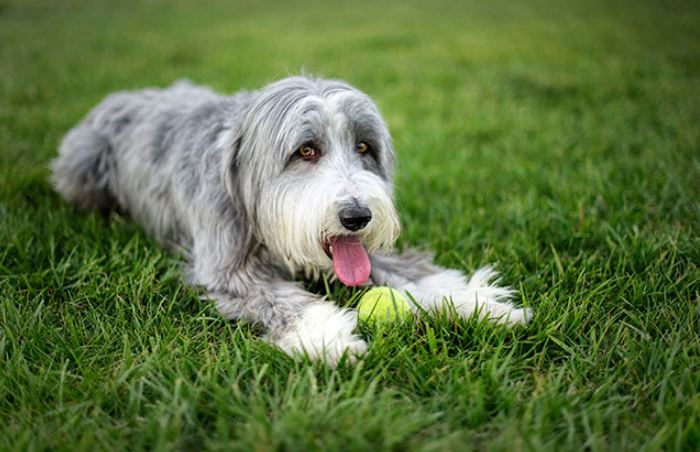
389,156
245,242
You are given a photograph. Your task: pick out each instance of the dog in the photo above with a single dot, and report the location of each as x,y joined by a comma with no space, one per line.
260,189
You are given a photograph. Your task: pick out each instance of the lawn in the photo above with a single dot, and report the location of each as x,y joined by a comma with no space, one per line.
558,140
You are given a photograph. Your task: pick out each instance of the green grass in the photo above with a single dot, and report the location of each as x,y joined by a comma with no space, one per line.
559,140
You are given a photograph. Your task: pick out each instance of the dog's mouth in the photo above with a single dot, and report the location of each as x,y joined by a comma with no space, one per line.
350,259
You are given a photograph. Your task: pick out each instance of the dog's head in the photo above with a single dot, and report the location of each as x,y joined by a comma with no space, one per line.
312,166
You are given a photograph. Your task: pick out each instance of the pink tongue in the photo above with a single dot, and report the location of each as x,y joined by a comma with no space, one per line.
350,261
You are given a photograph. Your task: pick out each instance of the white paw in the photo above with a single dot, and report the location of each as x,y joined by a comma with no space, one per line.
324,332
517,316
501,313
480,294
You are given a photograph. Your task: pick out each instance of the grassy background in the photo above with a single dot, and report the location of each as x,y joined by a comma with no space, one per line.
559,140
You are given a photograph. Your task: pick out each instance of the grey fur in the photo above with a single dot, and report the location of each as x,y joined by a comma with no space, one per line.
397,270
216,177
153,153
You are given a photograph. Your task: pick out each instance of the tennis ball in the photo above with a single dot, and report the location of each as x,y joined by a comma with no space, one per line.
383,304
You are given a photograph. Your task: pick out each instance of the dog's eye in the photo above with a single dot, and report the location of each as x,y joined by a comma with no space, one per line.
308,151
362,147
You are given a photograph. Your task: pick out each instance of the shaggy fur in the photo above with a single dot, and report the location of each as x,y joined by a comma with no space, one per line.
221,179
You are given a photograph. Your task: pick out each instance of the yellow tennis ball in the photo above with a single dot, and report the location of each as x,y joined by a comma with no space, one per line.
383,304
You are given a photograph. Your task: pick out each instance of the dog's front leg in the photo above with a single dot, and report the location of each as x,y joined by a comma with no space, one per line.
297,321
432,286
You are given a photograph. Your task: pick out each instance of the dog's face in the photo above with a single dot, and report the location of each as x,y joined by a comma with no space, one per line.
314,166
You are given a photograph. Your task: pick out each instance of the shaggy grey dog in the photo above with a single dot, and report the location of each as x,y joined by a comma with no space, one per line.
259,189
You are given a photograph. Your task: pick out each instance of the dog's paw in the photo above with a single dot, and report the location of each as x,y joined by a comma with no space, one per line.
520,316
508,315
467,304
324,332
481,294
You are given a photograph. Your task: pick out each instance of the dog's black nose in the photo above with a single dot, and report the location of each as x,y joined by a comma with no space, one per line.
355,218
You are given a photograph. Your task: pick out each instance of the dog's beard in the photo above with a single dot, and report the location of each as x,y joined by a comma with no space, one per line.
299,222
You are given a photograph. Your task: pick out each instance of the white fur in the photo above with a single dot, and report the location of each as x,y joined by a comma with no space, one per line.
480,294
324,331
296,218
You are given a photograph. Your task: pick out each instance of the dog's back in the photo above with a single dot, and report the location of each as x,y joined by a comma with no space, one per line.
129,152
84,172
